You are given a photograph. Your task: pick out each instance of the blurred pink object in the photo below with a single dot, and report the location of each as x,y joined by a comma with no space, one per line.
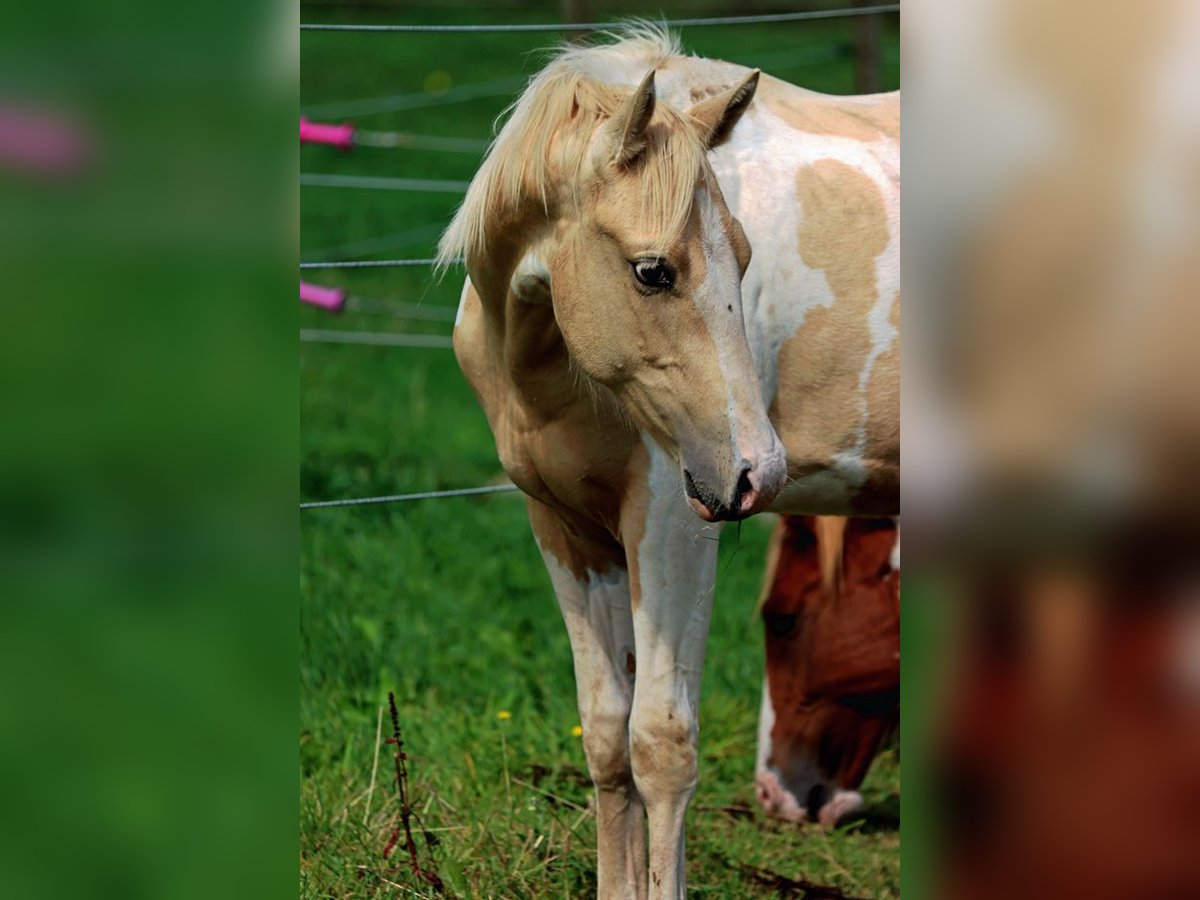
340,136
332,299
33,140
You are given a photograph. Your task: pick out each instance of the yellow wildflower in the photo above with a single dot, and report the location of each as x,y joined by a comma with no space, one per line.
503,714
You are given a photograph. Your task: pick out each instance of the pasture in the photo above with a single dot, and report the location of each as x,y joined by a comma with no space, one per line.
446,603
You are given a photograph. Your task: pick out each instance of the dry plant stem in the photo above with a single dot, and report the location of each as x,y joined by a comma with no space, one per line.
407,814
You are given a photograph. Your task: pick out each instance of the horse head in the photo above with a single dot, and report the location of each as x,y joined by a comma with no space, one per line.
598,201
831,614
647,291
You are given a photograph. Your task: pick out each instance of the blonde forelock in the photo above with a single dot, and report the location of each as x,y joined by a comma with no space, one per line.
541,151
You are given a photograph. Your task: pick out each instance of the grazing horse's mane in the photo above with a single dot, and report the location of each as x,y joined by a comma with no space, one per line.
831,543
829,532
542,145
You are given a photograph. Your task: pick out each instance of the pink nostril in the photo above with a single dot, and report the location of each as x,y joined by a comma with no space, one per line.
748,494
763,792
745,494
744,485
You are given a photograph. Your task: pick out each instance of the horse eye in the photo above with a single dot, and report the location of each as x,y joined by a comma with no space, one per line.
779,624
653,273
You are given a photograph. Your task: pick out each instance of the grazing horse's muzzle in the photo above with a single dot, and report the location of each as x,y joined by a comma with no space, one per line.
819,804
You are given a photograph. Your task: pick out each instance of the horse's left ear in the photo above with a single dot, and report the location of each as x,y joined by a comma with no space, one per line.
715,117
624,136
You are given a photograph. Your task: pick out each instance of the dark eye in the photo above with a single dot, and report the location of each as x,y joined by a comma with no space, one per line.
653,273
779,624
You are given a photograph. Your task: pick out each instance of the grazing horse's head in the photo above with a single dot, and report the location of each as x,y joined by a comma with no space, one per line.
604,200
831,613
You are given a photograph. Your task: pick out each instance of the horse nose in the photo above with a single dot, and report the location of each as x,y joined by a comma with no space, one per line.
818,794
711,506
775,799
758,484
748,495
745,494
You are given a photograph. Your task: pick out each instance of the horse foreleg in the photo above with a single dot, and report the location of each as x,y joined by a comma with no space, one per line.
672,558
596,609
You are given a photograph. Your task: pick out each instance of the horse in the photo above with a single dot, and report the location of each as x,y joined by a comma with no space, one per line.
831,694
647,379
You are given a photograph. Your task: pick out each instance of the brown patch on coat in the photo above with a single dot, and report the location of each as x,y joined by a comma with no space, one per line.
818,407
579,552
857,118
634,511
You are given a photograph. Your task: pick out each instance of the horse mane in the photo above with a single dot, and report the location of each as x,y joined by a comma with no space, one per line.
542,144
829,533
831,541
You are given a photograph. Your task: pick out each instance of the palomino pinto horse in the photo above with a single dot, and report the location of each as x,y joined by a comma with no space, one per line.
831,696
645,380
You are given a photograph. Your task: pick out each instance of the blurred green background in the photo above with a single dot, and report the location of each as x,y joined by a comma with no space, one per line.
150,410
446,603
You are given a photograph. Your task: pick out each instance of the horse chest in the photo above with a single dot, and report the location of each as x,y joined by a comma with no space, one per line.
577,460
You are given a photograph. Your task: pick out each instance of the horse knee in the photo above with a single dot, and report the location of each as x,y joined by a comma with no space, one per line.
663,753
606,746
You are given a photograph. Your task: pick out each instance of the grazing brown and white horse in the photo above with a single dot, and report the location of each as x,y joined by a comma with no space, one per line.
645,379
831,695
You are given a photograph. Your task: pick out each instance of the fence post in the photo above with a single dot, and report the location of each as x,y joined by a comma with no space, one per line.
867,51
575,11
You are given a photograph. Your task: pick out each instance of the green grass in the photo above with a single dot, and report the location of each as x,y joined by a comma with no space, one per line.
446,603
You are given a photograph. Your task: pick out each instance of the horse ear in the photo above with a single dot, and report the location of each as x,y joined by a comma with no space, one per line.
531,279
624,136
716,116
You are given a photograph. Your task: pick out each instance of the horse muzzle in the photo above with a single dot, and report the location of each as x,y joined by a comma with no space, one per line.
753,490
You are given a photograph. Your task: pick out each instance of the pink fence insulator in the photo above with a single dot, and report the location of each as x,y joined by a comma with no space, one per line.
340,136
332,299
41,141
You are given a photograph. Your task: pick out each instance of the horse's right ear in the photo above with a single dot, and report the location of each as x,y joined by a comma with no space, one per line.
624,135
716,116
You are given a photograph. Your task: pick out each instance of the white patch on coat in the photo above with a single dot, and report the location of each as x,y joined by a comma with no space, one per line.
462,302
766,721
676,565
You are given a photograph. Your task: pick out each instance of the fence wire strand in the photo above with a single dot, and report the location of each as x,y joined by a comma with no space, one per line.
377,338
403,140
404,498
366,263
428,312
764,18
404,102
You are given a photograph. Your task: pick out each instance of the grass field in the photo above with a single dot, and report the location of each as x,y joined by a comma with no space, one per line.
445,603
